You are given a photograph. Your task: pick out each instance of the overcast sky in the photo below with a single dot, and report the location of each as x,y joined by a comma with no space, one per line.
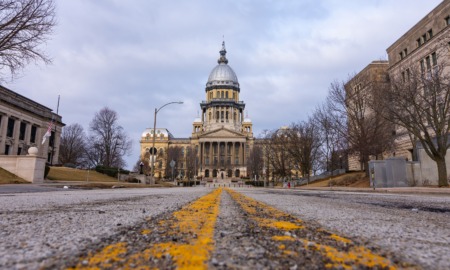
136,55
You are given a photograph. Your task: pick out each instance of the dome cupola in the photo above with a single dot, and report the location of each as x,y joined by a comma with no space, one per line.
222,74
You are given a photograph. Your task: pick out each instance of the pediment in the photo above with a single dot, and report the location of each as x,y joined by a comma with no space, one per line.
222,133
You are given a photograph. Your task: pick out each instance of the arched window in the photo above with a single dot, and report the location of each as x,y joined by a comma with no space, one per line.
226,94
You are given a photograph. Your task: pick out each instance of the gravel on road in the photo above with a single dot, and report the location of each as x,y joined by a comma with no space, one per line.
415,227
37,227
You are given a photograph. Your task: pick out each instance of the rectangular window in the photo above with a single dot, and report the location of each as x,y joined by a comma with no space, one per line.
401,55
10,128
434,59
422,66
447,20
23,128
33,134
430,33
419,42
403,76
424,38
428,61
408,74
7,147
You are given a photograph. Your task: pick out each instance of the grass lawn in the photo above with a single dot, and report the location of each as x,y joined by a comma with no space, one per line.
70,174
9,178
354,179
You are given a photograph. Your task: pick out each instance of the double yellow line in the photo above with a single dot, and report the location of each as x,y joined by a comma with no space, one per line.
188,240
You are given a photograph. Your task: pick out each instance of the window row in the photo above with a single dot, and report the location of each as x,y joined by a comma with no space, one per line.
221,94
22,129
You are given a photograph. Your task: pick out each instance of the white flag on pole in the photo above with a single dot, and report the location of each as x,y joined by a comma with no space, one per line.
48,133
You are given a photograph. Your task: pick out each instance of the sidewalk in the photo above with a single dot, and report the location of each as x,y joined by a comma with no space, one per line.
400,190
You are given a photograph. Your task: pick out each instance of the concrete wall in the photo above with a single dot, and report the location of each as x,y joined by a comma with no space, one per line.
429,167
30,168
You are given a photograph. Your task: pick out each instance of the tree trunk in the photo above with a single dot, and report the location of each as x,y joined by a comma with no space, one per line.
442,172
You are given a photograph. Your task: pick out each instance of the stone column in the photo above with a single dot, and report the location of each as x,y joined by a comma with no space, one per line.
243,154
233,147
28,134
3,128
56,146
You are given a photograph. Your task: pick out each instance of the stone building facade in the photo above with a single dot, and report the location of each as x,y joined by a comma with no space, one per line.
23,123
421,49
221,137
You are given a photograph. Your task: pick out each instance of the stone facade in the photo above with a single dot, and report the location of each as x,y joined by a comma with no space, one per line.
221,138
421,49
424,46
23,123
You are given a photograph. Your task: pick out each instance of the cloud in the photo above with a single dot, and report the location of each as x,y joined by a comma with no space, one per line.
135,56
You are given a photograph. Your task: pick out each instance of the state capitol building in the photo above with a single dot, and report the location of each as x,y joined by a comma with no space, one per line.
221,138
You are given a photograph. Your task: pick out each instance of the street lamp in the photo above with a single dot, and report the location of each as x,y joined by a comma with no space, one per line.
154,136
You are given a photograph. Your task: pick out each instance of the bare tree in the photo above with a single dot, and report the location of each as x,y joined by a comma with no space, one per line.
357,114
303,145
108,142
255,162
24,25
146,169
333,146
191,162
73,145
173,153
421,105
278,158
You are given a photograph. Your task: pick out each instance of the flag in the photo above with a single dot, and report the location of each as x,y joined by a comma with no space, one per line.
49,132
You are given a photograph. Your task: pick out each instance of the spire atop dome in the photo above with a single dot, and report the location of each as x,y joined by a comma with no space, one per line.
223,52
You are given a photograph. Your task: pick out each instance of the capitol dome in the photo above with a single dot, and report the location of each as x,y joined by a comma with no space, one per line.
222,74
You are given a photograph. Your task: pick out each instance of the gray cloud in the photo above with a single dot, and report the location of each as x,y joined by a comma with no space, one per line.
136,55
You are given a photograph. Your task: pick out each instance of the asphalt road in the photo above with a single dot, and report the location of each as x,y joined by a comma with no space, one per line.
240,228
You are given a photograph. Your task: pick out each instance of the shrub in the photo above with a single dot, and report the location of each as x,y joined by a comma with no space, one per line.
70,165
110,171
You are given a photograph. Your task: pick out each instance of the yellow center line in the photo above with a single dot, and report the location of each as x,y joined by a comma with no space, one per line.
285,223
193,225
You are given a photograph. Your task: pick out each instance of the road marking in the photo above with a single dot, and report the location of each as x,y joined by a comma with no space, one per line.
193,224
337,251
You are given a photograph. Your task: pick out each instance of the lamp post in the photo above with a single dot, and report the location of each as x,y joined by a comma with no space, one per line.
153,155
